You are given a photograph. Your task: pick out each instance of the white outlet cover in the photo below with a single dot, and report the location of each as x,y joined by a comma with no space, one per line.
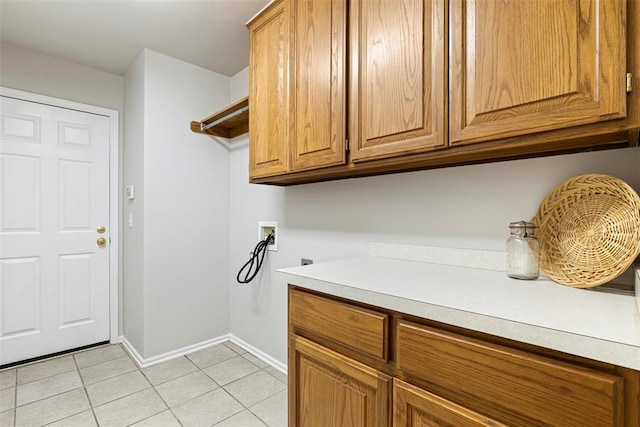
263,224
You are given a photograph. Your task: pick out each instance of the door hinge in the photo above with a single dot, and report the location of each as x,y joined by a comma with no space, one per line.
346,144
629,80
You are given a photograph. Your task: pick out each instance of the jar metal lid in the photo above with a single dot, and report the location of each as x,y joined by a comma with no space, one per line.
522,224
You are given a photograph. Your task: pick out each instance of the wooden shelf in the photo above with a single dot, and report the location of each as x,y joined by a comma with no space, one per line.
234,126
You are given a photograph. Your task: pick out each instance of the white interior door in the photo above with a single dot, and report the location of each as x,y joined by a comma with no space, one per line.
54,194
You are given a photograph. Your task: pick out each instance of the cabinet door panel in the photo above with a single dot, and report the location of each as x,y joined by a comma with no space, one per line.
329,389
519,67
414,407
397,78
319,110
269,92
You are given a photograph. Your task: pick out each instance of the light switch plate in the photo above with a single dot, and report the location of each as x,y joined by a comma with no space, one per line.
130,192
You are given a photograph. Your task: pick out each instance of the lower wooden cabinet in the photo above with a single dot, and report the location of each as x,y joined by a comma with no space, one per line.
438,375
416,407
333,390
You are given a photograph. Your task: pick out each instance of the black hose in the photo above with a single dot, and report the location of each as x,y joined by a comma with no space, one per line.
256,260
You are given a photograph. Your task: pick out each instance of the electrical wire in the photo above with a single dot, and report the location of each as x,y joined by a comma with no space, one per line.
257,257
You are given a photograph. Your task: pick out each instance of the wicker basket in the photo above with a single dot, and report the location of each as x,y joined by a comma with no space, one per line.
589,230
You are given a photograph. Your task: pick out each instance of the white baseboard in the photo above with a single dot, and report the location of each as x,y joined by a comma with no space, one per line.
259,354
145,363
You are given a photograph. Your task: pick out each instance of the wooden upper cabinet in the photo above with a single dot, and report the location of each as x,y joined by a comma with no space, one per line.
397,77
519,67
269,92
319,109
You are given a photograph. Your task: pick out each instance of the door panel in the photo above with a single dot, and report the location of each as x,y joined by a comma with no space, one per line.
414,407
334,390
320,93
269,92
20,206
398,81
54,172
519,67
20,296
76,275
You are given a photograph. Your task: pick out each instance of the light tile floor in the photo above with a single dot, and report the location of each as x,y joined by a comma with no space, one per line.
221,385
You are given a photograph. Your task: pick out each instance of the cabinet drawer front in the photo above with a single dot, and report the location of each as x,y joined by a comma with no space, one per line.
363,330
513,386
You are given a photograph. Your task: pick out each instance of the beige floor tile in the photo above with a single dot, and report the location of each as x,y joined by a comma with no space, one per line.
83,419
130,409
45,369
235,347
167,371
105,370
163,419
7,418
52,409
47,387
185,388
254,388
7,399
277,374
243,419
7,378
99,355
207,409
230,370
212,355
255,360
116,387
273,410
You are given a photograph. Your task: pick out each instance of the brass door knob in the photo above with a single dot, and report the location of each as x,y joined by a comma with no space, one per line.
101,229
101,241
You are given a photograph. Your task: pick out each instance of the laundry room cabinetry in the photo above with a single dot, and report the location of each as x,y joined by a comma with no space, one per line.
397,102
518,68
346,88
359,365
269,91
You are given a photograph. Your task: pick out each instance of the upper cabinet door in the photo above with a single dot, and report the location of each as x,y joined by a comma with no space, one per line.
397,77
269,93
319,109
519,67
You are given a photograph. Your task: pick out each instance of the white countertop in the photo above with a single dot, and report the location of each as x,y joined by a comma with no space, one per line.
587,323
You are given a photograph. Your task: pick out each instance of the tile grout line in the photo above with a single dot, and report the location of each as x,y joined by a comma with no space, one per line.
153,386
15,400
84,387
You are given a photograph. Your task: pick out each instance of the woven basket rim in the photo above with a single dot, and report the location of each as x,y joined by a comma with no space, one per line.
559,249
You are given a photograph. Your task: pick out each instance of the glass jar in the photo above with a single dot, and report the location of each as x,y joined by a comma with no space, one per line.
522,249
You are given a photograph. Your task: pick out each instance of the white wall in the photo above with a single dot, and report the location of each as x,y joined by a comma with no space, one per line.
186,207
133,238
177,251
46,75
463,207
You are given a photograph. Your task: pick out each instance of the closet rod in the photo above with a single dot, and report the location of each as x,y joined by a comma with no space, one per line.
204,127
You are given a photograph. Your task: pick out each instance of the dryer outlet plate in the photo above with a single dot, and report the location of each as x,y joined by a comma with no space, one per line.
268,227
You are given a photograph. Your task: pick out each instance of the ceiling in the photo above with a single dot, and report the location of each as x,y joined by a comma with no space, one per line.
110,34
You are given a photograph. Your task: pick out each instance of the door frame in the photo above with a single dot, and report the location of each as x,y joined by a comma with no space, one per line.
114,206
